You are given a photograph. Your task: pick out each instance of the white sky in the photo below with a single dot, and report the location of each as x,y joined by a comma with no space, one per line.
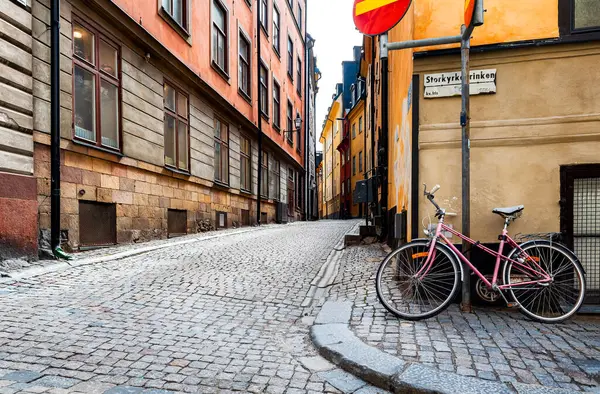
330,24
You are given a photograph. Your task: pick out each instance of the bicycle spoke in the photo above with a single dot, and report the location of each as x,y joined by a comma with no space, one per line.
407,294
548,301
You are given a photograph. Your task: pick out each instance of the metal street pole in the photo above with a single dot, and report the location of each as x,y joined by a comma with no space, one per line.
465,122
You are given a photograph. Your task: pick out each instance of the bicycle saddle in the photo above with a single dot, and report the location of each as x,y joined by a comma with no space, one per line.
509,211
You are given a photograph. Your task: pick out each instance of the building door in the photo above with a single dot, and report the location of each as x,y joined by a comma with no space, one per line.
291,192
580,221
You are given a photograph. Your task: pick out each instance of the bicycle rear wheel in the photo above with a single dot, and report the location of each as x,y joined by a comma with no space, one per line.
414,298
552,302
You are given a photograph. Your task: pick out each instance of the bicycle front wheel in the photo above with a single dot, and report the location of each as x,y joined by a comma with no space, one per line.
415,297
550,302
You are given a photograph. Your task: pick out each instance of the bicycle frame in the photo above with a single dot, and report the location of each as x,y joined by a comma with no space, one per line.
504,239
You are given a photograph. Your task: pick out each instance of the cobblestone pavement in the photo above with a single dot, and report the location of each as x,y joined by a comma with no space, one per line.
18,264
212,316
490,344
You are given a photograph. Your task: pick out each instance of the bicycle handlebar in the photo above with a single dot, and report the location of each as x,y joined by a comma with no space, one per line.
431,197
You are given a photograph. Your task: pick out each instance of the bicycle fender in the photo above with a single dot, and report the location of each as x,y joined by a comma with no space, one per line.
447,248
549,243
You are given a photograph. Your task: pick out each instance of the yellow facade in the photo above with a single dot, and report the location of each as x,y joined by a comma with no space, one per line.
543,115
331,137
356,119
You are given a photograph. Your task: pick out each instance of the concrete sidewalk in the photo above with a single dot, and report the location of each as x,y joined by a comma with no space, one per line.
490,350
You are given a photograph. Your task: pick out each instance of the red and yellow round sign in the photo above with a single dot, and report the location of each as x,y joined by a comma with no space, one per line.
469,11
373,17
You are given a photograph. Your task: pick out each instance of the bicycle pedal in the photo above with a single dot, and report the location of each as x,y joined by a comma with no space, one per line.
512,305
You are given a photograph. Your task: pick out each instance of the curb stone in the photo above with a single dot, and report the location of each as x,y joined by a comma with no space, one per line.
335,341
62,266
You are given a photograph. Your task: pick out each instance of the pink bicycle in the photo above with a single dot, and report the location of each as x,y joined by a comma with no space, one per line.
420,279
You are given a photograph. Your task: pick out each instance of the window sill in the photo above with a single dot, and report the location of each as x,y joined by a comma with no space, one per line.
290,77
245,96
246,192
265,116
182,31
264,29
220,71
277,128
177,170
100,148
277,53
221,185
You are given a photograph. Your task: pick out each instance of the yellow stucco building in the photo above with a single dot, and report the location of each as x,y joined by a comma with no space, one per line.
535,120
356,119
331,136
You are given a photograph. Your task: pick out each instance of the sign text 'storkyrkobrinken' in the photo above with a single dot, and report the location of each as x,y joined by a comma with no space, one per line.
449,84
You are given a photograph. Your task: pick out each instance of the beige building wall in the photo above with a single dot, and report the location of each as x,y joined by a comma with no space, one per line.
16,101
545,114
18,202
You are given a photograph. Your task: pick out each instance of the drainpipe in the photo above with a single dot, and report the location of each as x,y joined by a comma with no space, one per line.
373,153
363,97
55,125
260,131
384,132
307,173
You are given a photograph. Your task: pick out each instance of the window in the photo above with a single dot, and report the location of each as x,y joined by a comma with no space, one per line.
177,9
360,125
97,108
220,37
353,165
245,164
586,14
354,131
244,66
264,180
300,15
264,14
291,3
290,125
579,16
299,75
360,162
264,91
290,58
221,151
276,105
177,129
276,30
275,179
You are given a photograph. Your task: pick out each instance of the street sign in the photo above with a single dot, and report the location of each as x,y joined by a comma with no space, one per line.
469,11
374,17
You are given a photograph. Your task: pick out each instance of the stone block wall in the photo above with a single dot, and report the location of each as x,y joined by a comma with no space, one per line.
142,197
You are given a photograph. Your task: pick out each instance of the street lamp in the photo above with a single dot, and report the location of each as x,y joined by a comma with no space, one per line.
297,125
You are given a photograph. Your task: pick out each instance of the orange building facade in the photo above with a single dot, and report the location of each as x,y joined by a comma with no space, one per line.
534,124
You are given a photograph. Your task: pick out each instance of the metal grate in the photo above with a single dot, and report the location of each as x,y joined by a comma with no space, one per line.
586,230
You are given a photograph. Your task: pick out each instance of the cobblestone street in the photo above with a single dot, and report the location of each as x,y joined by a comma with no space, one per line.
209,316
496,345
